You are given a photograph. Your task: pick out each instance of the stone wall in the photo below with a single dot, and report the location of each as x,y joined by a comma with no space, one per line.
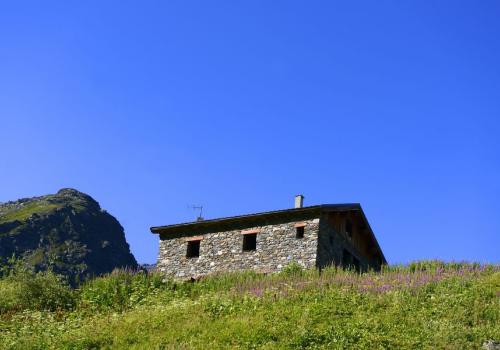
277,245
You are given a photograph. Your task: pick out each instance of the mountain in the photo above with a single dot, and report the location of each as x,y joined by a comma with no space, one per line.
67,232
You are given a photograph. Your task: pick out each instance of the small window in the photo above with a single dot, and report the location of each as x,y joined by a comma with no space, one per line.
249,242
193,249
300,232
348,228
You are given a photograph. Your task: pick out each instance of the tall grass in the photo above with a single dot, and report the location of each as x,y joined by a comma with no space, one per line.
427,304
23,289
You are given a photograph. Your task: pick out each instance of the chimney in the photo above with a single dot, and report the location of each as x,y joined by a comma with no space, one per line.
299,201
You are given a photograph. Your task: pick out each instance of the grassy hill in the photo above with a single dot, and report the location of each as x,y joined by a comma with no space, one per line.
427,305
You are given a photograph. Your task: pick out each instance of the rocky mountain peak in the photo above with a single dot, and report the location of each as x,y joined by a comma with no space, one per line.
67,232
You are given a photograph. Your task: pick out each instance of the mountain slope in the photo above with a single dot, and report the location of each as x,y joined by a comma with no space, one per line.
67,231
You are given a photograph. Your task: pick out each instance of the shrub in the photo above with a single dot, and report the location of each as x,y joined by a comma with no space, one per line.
120,290
293,269
24,289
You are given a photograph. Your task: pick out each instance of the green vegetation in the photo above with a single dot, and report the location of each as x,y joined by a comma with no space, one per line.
21,289
70,235
429,305
26,211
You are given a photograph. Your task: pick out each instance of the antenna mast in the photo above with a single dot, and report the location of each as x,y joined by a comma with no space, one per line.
200,208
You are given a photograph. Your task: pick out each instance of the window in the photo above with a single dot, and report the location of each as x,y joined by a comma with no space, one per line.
300,232
249,242
193,249
348,228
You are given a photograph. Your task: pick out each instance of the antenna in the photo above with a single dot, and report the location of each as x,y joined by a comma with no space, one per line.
197,207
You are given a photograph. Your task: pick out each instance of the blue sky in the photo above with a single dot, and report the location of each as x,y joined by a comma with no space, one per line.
153,106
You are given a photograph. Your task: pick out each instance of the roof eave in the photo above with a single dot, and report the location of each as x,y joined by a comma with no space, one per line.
233,219
204,223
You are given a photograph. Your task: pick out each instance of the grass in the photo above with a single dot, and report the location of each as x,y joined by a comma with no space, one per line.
27,210
426,305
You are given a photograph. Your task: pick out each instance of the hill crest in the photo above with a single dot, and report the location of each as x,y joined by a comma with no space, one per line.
68,232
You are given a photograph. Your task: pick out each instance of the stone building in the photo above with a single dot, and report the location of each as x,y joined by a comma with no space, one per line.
314,236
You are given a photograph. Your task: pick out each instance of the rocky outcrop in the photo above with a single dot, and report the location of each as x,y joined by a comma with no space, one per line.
491,345
67,232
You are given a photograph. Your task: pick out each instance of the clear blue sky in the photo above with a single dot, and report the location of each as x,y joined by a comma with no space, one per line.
151,106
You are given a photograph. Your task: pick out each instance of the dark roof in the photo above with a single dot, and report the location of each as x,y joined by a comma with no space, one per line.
274,214
228,223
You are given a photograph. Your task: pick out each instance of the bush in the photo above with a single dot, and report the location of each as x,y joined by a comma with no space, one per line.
293,269
23,289
120,290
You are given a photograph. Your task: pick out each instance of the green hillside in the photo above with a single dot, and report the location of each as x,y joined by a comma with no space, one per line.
67,232
427,305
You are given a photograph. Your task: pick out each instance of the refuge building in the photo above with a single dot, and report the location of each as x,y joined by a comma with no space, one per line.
313,236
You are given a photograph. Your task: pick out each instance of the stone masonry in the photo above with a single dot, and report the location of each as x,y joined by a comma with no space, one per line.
277,246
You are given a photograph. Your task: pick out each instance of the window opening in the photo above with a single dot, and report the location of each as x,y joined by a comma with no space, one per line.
300,232
193,249
249,242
